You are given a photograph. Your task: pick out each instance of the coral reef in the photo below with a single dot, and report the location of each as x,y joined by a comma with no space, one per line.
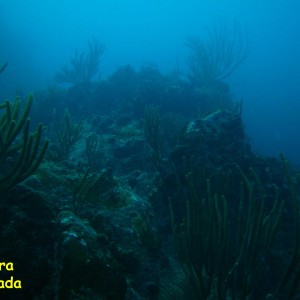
154,193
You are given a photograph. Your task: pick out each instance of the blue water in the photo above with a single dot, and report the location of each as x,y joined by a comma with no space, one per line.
38,37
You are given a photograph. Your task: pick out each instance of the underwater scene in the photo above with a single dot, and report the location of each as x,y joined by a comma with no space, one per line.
149,150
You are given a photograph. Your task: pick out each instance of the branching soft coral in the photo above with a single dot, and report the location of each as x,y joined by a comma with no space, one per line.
19,157
216,59
83,66
3,67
